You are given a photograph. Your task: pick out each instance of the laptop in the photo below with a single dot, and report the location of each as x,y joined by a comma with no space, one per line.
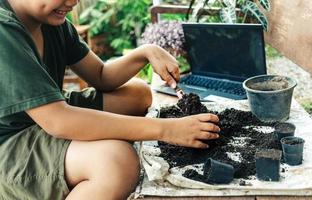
221,57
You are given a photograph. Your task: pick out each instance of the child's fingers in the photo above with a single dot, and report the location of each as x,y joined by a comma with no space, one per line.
166,76
199,144
173,69
208,117
207,136
210,127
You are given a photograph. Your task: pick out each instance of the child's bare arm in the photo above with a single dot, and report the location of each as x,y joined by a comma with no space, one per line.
64,121
113,74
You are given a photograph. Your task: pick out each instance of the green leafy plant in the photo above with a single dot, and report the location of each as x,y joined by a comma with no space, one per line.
122,20
69,17
307,105
270,52
97,16
146,73
230,9
176,17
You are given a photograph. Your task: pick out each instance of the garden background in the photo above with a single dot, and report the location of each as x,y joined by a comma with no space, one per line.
114,27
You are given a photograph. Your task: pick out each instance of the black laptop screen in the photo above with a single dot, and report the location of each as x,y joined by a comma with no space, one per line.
230,51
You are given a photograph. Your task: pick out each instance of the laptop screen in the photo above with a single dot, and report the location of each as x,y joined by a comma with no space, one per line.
229,51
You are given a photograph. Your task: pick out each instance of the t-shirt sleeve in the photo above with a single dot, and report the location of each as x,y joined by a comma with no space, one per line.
24,81
76,48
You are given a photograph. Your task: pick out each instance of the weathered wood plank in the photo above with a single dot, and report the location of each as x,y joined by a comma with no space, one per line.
283,198
201,198
290,30
233,198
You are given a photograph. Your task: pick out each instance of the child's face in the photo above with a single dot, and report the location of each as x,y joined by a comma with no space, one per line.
51,12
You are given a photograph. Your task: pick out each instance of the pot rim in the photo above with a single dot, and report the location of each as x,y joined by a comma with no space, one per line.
291,81
288,124
301,140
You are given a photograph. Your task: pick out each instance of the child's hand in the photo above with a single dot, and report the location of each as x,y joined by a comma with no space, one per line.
163,64
192,130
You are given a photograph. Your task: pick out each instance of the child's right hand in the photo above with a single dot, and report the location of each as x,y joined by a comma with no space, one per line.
190,131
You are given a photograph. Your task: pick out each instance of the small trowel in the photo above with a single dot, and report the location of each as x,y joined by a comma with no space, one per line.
179,92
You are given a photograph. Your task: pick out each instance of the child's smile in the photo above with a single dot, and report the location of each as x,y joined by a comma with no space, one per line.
61,13
37,12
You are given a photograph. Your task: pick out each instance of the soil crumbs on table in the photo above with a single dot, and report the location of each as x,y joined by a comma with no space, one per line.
237,144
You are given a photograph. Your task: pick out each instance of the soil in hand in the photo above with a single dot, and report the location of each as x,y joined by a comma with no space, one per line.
237,144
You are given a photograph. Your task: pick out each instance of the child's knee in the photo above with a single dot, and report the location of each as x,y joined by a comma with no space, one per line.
124,170
142,92
121,156
146,97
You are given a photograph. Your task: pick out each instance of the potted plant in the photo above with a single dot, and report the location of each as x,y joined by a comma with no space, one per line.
231,11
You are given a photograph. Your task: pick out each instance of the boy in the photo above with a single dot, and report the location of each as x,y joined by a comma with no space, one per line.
56,145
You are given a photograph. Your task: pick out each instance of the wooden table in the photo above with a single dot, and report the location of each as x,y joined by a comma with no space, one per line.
232,198
161,99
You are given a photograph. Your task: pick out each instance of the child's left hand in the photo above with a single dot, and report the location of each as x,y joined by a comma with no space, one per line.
163,64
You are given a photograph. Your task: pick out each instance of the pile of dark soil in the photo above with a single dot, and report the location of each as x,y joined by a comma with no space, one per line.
231,123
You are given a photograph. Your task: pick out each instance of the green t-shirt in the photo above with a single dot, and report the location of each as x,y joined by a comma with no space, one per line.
26,80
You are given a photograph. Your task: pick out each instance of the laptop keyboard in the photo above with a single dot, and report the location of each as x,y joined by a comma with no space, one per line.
214,84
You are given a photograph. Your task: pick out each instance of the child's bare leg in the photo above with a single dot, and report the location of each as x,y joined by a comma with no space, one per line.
106,169
133,98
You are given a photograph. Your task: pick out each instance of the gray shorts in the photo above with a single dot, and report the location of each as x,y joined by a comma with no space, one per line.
32,162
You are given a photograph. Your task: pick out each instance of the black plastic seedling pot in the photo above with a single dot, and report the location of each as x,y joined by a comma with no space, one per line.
268,164
284,130
218,172
269,96
292,150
